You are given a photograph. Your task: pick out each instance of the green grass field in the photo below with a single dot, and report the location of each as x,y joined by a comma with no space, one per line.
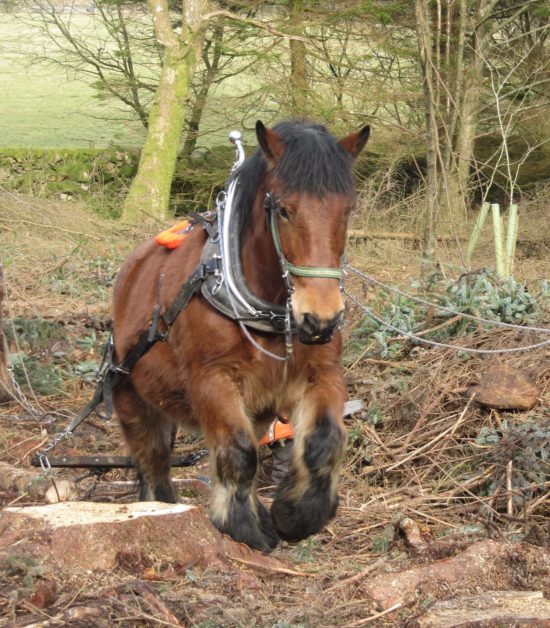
41,106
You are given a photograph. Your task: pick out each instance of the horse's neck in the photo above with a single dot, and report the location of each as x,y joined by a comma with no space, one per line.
261,265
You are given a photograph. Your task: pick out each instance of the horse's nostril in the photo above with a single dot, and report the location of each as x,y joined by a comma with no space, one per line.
311,324
315,331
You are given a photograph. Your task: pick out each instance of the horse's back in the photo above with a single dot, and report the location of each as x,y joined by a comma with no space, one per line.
151,273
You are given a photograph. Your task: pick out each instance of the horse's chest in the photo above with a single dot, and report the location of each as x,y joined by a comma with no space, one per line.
272,390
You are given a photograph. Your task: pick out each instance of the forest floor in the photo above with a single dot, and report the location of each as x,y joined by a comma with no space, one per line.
441,498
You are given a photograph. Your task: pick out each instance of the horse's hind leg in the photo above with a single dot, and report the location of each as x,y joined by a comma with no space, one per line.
150,437
307,499
235,509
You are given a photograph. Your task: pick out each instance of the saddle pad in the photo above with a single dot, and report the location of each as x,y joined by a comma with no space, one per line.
174,236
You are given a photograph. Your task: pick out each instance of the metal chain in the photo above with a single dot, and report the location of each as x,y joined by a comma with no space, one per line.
434,343
36,412
42,455
20,396
377,282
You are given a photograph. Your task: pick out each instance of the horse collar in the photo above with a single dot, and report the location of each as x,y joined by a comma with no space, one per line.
234,298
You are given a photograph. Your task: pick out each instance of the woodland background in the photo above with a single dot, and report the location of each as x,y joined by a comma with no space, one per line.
114,118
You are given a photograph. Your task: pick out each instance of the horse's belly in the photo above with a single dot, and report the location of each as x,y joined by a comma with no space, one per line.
162,384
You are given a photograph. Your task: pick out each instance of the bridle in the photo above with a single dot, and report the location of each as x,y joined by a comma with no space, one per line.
272,207
227,290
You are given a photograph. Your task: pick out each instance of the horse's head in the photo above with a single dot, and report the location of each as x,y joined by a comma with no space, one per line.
311,194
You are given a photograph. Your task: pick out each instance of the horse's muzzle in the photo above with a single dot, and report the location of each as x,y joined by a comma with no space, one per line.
314,331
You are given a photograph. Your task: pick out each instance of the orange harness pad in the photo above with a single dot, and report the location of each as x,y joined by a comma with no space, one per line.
277,430
174,236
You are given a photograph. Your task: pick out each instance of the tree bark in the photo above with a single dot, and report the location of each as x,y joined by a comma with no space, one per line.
208,77
149,194
6,387
469,96
425,43
298,69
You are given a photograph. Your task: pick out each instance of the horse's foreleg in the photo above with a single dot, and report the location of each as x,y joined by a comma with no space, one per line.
150,437
307,499
235,509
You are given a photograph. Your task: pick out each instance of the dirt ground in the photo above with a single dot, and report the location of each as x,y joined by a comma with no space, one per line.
429,474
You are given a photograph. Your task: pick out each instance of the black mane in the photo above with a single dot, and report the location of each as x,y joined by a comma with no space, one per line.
313,162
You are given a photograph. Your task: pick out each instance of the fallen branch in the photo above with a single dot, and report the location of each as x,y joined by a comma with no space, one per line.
358,576
358,234
367,620
153,602
474,564
54,227
281,570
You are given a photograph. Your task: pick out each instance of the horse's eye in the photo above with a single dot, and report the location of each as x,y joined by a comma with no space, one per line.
283,213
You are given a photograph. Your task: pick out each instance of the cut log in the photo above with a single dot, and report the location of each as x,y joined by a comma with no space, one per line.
359,234
474,567
504,387
491,609
23,482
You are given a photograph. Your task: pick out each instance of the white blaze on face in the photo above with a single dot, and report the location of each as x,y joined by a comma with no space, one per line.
318,297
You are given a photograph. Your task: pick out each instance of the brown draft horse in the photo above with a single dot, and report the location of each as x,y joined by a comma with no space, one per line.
208,375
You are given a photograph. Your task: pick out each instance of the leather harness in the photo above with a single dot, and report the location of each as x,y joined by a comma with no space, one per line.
209,278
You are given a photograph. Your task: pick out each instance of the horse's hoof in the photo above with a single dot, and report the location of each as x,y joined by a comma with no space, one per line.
267,529
161,492
258,533
296,520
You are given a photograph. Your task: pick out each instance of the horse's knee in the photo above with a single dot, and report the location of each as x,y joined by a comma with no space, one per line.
236,461
324,446
234,508
308,499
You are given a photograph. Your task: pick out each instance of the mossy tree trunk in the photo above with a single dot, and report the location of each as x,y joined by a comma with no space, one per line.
149,194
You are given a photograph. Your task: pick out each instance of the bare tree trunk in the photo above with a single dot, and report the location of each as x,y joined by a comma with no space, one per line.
149,194
6,387
298,68
471,93
201,97
425,42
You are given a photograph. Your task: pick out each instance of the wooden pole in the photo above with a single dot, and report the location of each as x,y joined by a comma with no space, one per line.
511,238
497,233
476,231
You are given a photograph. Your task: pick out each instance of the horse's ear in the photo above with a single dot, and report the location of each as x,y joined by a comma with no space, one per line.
355,142
270,142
